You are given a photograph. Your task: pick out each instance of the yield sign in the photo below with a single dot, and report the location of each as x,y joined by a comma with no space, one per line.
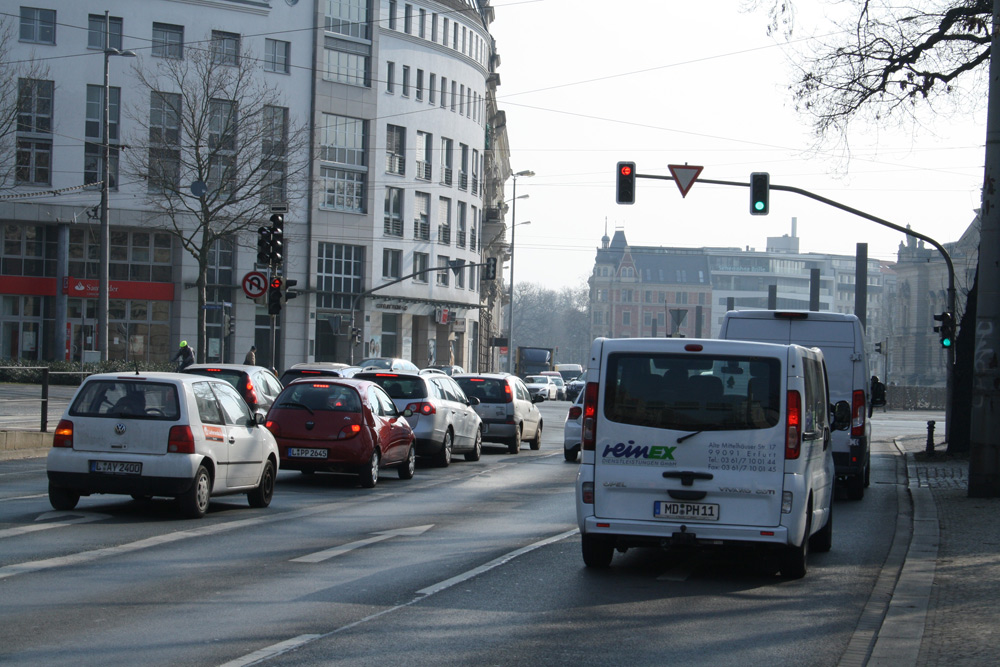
684,175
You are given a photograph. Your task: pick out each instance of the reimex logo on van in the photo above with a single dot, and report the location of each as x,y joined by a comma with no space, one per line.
633,454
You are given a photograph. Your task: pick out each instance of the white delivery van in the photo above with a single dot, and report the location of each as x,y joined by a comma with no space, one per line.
842,340
694,442
569,371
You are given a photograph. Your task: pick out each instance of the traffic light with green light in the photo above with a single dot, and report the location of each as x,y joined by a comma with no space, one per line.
946,328
760,192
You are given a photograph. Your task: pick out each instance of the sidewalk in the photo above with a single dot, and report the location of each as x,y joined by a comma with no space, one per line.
951,575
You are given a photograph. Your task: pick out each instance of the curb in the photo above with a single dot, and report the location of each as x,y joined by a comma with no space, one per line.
24,444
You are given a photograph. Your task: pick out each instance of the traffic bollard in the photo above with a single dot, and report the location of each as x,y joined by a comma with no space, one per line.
930,438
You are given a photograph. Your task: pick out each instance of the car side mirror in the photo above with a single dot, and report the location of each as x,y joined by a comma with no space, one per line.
841,416
259,418
473,401
537,398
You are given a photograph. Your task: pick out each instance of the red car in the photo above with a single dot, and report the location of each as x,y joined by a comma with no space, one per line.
341,425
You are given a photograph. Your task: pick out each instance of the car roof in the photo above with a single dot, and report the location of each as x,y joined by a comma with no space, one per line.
318,365
247,368
359,384
157,376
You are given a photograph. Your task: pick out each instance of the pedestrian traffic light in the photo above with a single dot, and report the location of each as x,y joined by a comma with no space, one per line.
760,190
274,297
289,292
491,269
230,325
878,347
946,328
277,238
263,245
625,192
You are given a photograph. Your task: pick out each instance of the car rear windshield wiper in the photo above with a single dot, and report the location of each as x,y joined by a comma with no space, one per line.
296,405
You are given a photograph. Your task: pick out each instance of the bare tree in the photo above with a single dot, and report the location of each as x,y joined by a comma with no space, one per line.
217,149
13,75
889,61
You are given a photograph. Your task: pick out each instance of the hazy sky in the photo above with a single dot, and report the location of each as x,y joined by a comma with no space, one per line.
586,83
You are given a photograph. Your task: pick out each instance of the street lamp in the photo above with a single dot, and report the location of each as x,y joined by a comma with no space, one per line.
105,282
510,319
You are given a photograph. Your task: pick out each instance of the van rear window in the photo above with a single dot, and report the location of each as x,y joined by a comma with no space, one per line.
693,392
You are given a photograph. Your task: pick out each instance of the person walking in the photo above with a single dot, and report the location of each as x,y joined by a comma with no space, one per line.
184,356
251,358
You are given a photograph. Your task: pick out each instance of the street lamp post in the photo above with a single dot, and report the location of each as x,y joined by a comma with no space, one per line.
105,281
510,318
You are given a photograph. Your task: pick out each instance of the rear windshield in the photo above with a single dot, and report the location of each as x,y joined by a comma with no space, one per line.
686,392
232,376
319,396
398,386
487,390
126,398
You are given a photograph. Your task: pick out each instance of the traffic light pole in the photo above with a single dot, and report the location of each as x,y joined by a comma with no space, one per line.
950,370
361,295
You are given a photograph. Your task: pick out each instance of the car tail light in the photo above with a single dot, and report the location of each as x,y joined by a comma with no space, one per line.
273,427
349,431
575,412
793,426
180,440
251,395
589,435
508,395
858,414
422,408
63,437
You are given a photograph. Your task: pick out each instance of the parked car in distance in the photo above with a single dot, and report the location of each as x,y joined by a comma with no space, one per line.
506,407
387,364
560,384
573,429
542,385
257,385
341,425
160,434
444,420
314,369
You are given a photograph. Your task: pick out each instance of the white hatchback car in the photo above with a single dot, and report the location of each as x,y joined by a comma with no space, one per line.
161,434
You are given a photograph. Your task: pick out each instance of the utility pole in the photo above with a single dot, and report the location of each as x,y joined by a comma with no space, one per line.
984,461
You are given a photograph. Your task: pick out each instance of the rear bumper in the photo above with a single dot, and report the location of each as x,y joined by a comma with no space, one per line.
670,533
853,461
166,475
140,485
497,431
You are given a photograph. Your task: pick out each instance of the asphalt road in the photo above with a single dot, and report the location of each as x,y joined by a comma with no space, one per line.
477,563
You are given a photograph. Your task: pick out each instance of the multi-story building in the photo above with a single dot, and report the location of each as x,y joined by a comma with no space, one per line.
396,101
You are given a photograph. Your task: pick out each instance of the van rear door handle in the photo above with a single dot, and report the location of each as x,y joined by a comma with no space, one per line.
687,477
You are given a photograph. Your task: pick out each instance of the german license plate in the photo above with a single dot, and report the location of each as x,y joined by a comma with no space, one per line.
691,511
306,453
116,467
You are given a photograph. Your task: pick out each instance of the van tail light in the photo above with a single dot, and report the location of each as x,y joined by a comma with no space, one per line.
63,437
575,412
422,408
587,495
349,431
858,414
508,395
252,395
589,436
273,427
793,426
180,440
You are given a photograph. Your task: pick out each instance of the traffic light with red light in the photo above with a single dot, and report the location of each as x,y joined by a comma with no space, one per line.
274,297
625,191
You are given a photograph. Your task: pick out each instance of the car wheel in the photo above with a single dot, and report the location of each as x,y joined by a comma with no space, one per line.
62,499
514,444
793,559
409,466
572,454
194,501
444,456
856,486
822,541
597,551
369,475
477,448
536,442
261,496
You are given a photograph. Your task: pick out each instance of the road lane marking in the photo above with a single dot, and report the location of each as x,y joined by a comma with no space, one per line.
69,519
380,536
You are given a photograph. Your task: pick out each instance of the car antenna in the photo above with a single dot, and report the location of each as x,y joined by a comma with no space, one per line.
136,366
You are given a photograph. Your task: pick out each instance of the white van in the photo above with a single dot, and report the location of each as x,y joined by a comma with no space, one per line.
842,340
569,371
706,442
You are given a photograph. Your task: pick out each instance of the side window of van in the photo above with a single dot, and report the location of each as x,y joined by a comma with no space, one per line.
814,405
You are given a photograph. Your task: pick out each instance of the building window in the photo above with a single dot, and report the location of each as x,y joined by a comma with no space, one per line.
395,150
339,274
626,318
473,236
431,92
408,19
277,55
343,190
168,41
38,26
342,139
420,85
34,162
462,223
463,167
345,66
93,159
96,29
421,31
394,212
390,77
444,91
390,263
406,81
274,150
164,139
446,163
225,48
422,216
222,126
392,14
34,131
442,276
434,27
454,93
475,171
460,276
348,17
420,260
444,221
424,144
